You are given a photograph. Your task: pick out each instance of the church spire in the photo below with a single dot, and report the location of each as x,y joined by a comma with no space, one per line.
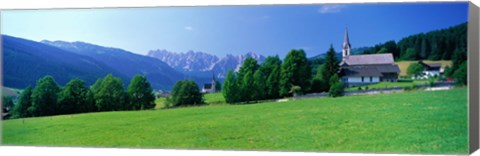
346,45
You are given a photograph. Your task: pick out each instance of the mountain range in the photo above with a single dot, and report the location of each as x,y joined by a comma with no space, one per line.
203,64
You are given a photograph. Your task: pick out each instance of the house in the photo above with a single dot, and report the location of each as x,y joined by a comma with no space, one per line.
210,87
430,69
358,70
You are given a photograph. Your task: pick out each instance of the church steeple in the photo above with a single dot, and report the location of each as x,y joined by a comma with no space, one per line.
346,45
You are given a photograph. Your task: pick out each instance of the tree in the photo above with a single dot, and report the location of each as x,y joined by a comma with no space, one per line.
460,75
74,98
319,83
248,86
336,88
218,86
245,78
7,105
185,93
24,102
459,56
140,93
331,67
415,69
44,97
410,54
259,86
230,88
448,71
110,95
273,83
271,70
294,71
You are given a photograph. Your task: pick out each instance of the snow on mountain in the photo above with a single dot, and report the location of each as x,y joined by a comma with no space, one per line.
197,62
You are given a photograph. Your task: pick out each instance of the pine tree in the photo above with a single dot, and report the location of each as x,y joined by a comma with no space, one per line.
331,66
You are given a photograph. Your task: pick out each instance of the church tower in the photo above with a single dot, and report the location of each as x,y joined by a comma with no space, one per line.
346,45
214,83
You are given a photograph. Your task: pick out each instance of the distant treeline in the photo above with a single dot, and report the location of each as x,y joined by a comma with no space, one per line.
107,94
434,45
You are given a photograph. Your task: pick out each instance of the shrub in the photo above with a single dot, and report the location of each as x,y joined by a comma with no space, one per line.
336,90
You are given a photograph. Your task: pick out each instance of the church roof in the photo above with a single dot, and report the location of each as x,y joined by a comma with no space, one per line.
370,70
368,59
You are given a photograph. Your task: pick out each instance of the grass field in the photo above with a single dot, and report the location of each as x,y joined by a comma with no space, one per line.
412,122
210,99
390,85
403,65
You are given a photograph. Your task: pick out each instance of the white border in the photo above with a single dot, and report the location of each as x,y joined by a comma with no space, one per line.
74,151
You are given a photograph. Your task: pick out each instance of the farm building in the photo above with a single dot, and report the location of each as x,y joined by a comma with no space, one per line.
358,70
430,69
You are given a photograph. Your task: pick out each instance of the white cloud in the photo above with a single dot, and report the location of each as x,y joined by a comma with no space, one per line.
325,9
189,28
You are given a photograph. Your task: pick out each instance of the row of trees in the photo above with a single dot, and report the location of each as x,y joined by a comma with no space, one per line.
107,94
274,79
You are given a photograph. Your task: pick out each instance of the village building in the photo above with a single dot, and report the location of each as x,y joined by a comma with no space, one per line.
210,87
358,70
430,69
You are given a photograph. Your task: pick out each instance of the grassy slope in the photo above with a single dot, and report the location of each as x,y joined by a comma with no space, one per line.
412,122
403,65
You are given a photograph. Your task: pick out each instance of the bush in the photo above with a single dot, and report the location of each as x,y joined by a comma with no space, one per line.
185,93
336,90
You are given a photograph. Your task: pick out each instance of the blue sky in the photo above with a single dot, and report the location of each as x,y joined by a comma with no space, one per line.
220,30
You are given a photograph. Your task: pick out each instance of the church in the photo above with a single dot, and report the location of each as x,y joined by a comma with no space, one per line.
359,70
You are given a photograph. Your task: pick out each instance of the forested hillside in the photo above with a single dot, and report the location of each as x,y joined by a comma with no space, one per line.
434,45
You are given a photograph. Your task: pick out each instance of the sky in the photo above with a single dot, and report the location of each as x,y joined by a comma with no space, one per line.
221,30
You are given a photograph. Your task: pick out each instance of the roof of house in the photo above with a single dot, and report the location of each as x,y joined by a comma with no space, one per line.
368,59
370,70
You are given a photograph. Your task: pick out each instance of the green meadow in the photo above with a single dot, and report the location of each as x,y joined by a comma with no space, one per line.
429,122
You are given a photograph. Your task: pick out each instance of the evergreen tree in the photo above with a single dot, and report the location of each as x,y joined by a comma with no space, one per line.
331,66
74,98
24,102
44,97
294,72
141,93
